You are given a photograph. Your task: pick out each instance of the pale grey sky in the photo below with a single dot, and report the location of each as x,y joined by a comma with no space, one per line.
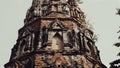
99,13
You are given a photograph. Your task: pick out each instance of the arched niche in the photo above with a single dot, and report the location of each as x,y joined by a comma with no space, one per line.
57,42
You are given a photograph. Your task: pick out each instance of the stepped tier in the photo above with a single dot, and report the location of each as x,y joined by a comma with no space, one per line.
55,35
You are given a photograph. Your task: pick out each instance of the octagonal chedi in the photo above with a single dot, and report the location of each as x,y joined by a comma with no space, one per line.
55,35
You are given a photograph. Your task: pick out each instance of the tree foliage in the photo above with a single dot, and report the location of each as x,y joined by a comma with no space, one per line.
117,44
116,63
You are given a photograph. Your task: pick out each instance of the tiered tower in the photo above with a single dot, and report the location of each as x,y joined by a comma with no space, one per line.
55,35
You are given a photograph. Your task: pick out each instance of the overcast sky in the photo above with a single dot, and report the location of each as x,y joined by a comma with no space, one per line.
100,13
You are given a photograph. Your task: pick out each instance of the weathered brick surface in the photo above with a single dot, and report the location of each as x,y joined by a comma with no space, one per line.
55,35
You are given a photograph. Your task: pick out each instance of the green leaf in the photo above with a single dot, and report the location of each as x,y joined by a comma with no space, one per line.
115,64
117,44
118,54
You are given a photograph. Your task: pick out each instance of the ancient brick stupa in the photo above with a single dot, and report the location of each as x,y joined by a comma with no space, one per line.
55,35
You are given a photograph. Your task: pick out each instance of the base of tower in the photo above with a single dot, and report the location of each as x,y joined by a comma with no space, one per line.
44,59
